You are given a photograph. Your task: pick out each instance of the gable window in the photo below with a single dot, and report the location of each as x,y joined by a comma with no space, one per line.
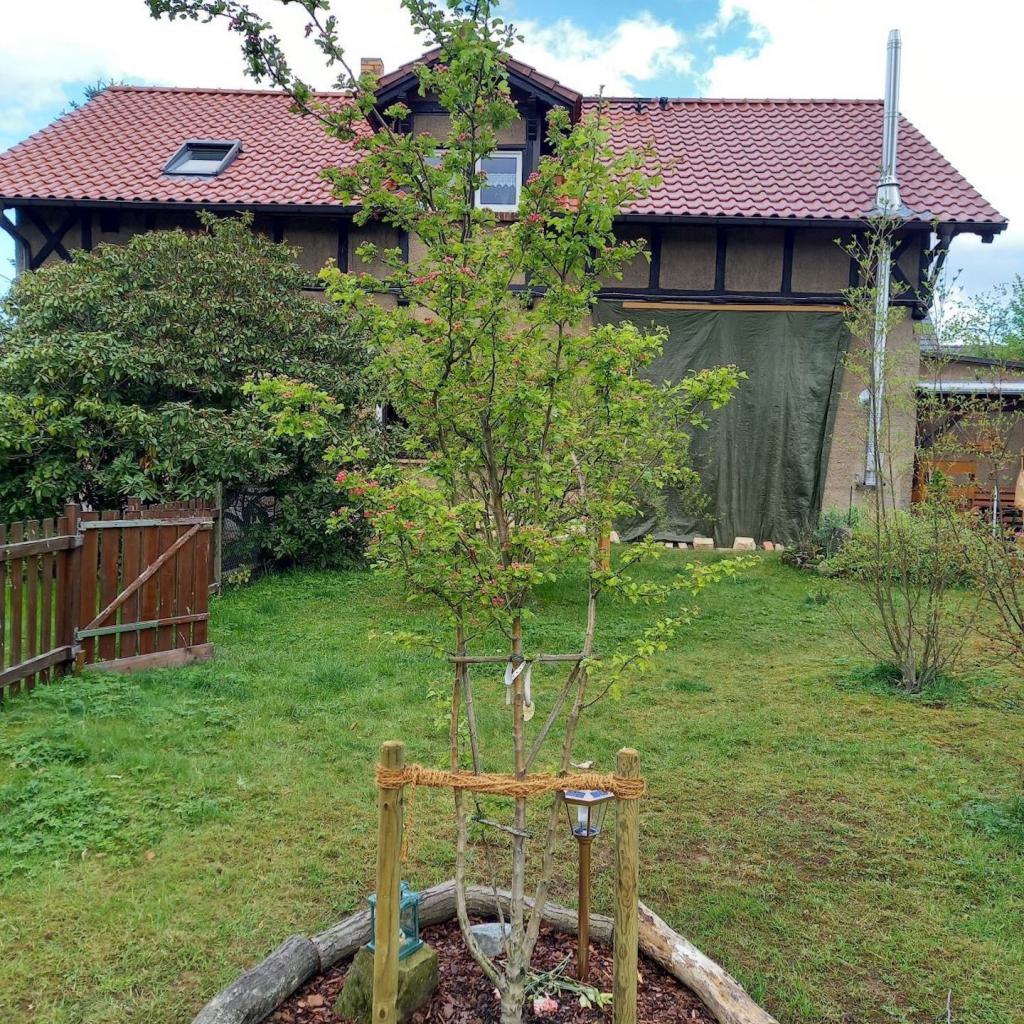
204,157
504,172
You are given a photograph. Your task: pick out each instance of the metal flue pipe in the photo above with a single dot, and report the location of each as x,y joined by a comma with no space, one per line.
887,204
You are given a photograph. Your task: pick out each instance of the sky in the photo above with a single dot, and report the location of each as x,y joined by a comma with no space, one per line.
961,84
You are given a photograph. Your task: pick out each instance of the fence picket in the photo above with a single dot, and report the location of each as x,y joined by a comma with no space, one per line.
132,568
147,639
48,562
4,647
165,606
109,545
17,597
88,589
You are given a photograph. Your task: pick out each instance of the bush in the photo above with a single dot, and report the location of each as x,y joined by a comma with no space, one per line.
823,539
918,570
126,372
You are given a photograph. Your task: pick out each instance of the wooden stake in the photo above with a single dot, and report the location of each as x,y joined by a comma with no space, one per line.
583,946
389,854
627,896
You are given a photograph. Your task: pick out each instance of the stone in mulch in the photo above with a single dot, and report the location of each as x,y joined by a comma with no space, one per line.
464,996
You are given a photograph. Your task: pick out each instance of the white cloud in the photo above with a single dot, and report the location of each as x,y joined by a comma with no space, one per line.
45,47
638,49
961,85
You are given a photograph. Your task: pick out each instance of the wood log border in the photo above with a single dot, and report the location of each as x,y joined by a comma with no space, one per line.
259,991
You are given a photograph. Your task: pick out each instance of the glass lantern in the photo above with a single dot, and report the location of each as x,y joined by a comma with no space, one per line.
586,809
408,921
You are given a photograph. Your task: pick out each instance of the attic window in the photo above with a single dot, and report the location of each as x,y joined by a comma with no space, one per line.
500,192
204,157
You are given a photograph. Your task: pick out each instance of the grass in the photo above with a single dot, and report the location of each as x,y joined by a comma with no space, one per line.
850,855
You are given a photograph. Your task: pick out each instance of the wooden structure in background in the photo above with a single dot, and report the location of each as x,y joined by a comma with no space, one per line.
117,590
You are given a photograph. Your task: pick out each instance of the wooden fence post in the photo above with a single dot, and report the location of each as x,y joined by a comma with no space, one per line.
218,539
69,583
389,854
627,895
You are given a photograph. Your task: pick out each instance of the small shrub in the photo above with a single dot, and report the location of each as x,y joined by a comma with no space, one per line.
819,540
55,815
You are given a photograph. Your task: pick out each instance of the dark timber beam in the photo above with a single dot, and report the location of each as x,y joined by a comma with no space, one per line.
654,278
787,261
720,257
897,271
533,138
342,259
53,239
22,248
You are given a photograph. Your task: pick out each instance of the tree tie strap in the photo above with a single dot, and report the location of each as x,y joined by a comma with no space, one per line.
498,784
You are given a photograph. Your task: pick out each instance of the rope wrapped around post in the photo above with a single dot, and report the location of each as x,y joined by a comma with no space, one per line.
498,784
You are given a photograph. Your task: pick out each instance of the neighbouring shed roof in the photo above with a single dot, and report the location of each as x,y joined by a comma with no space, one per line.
747,159
1010,388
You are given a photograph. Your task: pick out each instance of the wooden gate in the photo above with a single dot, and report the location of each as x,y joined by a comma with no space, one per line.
115,590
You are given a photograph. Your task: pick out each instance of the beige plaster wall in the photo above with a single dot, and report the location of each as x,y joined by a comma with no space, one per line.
636,273
819,263
52,218
382,236
439,125
316,240
753,259
847,453
688,258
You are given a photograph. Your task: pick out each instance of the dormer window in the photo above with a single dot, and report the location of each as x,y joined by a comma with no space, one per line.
504,172
203,157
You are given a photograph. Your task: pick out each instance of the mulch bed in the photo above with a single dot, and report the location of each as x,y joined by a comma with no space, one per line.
464,996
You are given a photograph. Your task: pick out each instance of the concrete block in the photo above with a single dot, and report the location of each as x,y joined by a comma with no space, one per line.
492,937
417,979
744,544
703,544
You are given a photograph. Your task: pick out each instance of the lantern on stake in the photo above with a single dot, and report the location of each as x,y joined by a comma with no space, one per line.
585,809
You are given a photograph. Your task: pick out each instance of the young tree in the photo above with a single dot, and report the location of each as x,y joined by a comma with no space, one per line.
536,430
125,372
914,564
992,324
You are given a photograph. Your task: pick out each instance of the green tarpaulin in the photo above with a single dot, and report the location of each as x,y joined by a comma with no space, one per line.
763,459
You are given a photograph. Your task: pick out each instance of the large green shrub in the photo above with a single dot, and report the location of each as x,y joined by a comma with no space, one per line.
125,371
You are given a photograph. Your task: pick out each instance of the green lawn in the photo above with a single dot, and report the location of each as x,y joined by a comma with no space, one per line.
850,855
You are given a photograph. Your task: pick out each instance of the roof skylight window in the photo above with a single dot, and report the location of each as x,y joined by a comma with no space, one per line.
203,157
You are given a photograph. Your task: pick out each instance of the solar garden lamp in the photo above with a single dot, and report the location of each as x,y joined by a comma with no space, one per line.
585,809
408,921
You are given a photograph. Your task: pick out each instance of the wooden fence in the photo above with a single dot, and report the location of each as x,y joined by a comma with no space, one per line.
117,590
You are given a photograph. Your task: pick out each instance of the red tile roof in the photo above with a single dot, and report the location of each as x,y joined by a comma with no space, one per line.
115,146
786,159
777,159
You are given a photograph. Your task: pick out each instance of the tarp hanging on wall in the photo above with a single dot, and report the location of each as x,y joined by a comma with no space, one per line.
763,459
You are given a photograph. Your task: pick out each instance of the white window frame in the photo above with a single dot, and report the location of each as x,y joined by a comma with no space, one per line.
503,207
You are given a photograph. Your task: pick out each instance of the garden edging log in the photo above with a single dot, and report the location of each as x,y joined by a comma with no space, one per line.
259,991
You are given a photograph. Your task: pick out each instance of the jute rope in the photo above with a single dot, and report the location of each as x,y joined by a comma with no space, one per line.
508,785
499,785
